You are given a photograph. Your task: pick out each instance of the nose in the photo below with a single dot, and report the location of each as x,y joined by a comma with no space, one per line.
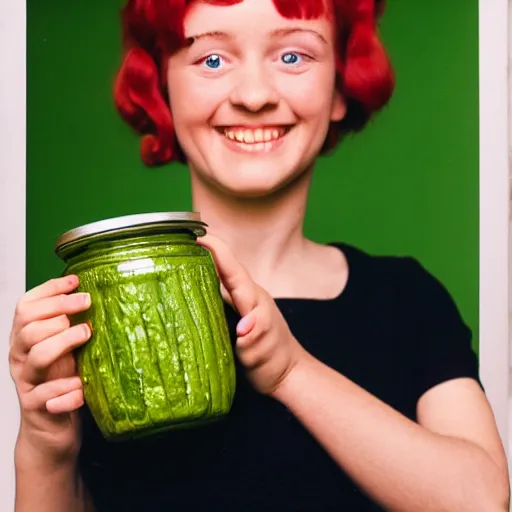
254,89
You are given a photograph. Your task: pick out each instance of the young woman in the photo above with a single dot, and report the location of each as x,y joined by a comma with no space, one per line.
357,386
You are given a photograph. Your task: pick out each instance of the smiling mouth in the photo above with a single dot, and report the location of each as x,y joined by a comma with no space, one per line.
264,138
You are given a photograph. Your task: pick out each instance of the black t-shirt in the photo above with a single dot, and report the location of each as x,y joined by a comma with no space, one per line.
395,331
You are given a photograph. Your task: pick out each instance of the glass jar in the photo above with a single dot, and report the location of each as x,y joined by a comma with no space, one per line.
160,355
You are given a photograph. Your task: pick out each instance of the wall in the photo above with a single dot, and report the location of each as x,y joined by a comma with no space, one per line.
510,225
493,217
12,220
408,185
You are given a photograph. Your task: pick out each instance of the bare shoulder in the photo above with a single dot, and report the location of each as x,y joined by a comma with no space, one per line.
459,408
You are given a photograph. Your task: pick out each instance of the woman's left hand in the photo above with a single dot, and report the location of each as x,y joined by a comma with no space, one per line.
265,345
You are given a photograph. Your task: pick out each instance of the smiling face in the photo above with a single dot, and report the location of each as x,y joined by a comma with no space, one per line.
252,95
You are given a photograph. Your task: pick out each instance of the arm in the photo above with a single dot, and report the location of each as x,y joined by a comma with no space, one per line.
48,487
452,461
50,393
403,465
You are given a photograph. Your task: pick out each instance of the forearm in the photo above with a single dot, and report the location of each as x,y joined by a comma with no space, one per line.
398,463
48,487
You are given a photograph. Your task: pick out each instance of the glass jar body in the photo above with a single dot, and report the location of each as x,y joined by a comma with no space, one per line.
160,355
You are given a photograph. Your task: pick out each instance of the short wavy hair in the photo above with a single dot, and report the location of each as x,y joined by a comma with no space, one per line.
153,29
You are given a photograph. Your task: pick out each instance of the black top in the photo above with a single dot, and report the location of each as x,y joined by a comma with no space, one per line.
394,331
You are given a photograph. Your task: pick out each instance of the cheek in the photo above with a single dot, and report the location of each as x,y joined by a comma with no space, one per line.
192,105
311,95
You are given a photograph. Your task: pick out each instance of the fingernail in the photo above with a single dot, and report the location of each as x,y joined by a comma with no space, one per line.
87,299
87,329
72,280
243,326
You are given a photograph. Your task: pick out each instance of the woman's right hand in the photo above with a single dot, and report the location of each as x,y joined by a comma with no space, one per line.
43,368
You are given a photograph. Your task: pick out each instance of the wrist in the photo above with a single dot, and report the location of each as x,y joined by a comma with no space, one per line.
291,385
32,455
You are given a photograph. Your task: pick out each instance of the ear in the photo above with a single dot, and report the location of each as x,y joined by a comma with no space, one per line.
338,107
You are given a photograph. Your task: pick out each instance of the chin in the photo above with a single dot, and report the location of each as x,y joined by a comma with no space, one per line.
253,186
249,191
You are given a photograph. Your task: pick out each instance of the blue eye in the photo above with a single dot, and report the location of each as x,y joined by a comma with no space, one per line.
291,58
213,61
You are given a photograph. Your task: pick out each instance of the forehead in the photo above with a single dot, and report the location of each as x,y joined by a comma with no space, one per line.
255,15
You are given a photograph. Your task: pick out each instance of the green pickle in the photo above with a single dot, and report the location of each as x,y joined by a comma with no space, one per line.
160,355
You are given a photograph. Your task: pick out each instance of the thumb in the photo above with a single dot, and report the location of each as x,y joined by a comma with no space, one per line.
235,278
225,295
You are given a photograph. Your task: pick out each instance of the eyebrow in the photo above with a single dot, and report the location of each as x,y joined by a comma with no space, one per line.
208,35
280,32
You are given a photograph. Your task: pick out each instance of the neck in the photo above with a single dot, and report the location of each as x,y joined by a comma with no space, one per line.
265,234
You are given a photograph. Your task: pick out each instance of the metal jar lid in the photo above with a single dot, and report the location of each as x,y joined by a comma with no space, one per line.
130,225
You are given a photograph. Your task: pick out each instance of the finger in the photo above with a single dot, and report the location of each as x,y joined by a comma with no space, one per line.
233,275
40,330
253,351
44,354
57,286
254,325
49,307
66,403
36,399
225,294
246,324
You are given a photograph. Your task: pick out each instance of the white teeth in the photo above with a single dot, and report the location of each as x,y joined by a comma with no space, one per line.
249,136
255,137
258,146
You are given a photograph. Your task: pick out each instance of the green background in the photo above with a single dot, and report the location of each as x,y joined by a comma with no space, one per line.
407,185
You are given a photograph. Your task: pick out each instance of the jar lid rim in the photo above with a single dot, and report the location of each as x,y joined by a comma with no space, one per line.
132,224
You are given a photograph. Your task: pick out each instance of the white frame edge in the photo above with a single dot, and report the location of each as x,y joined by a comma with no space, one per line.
12,215
494,337
494,197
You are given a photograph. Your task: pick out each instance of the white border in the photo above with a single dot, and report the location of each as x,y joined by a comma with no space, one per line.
494,346
494,340
12,218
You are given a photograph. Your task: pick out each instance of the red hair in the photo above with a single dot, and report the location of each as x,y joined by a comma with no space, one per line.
153,29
